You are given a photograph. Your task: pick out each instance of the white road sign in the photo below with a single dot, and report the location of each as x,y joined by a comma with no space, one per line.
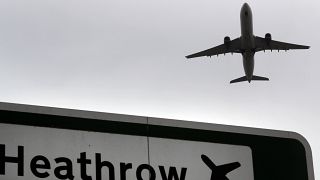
52,153
52,144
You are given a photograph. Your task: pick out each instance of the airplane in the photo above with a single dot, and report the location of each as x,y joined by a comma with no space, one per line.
219,172
247,44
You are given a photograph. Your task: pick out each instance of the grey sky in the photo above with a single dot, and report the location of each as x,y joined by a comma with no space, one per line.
127,56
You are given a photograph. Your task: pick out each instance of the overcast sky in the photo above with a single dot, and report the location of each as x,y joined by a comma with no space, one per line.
128,57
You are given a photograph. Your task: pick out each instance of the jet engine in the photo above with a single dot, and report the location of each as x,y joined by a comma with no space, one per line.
268,37
226,40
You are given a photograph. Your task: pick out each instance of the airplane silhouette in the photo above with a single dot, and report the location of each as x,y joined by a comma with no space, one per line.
247,45
219,172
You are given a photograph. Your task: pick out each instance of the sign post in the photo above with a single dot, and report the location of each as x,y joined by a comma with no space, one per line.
52,143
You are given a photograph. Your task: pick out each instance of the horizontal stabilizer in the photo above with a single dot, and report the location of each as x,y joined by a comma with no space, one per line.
259,78
254,78
244,78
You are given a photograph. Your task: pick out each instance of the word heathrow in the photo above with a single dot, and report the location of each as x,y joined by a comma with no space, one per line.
40,167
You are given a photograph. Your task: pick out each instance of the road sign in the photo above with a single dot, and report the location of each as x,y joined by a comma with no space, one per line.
53,143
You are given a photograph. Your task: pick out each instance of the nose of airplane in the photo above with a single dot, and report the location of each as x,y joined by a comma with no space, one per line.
245,9
245,5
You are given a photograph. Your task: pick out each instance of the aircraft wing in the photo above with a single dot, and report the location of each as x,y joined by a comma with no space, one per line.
229,47
207,161
265,44
226,168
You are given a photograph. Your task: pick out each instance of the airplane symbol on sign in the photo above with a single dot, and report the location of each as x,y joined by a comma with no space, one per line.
219,172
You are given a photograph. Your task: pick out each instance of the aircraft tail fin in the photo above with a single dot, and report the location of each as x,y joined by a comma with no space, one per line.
254,78
244,78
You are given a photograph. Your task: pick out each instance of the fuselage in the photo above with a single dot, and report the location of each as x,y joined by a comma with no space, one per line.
247,40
